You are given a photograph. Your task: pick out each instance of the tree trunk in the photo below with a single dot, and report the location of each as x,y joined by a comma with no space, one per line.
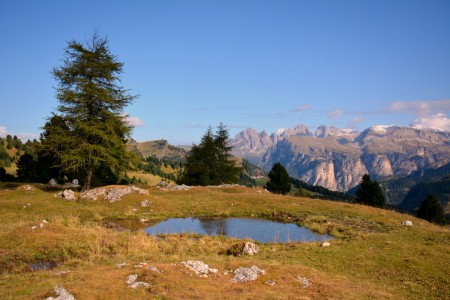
87,182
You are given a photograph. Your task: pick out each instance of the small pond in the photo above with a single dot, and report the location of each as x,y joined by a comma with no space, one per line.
261,230
43,266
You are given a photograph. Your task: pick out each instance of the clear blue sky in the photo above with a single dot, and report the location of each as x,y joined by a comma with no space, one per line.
260,64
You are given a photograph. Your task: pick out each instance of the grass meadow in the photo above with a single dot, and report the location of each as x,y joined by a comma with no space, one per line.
372,257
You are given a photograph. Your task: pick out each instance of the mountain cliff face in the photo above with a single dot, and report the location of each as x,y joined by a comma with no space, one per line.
251,145
338,158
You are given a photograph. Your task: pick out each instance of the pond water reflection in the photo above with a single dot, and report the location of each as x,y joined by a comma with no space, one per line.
260,230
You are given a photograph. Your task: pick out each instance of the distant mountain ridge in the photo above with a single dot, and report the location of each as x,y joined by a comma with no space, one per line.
337,158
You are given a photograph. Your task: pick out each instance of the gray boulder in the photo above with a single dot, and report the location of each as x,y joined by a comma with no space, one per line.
242,274
53,182
199,267
133,283
62,293
250,249
68,194
407,223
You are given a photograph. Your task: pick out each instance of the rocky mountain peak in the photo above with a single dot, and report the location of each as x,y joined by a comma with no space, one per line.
323,131
337,158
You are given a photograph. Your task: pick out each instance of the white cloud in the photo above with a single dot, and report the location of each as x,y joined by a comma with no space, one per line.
302,107
355,121
27,136
335,114
22,136
3,131
135,121
421,108
430,113
439,121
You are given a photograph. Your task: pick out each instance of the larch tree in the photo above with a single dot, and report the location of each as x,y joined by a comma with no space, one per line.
91,106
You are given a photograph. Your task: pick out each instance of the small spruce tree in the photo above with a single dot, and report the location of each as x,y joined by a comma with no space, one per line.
431,210
369,193
279,182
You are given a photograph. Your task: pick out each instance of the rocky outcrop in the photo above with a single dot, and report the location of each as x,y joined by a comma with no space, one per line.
112,194
338,162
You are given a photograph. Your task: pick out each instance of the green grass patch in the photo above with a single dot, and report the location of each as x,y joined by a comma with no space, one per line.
372,257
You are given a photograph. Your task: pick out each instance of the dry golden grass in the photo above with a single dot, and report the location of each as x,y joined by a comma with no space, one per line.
152,180
373,257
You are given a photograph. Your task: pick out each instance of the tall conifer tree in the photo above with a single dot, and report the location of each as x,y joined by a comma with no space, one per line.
91,104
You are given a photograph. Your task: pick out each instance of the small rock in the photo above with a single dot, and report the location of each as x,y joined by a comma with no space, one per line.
139,284
269,282
61,273
250,248
75,182
131,278
145,203
53,182
44,221
181,188
133,283
27,188
258,191
143,220
326,244
140,265
122,265
304,281
199,267
41,225
66,194
407,223
154,269
34,227
242,274
62,293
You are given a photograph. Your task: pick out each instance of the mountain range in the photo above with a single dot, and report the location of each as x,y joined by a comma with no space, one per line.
337,158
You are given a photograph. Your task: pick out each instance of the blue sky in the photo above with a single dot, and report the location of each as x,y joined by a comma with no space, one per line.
260,64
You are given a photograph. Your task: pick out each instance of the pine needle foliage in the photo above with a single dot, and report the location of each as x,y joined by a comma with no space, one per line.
90,131
210,162
369,193
431,210
279,181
